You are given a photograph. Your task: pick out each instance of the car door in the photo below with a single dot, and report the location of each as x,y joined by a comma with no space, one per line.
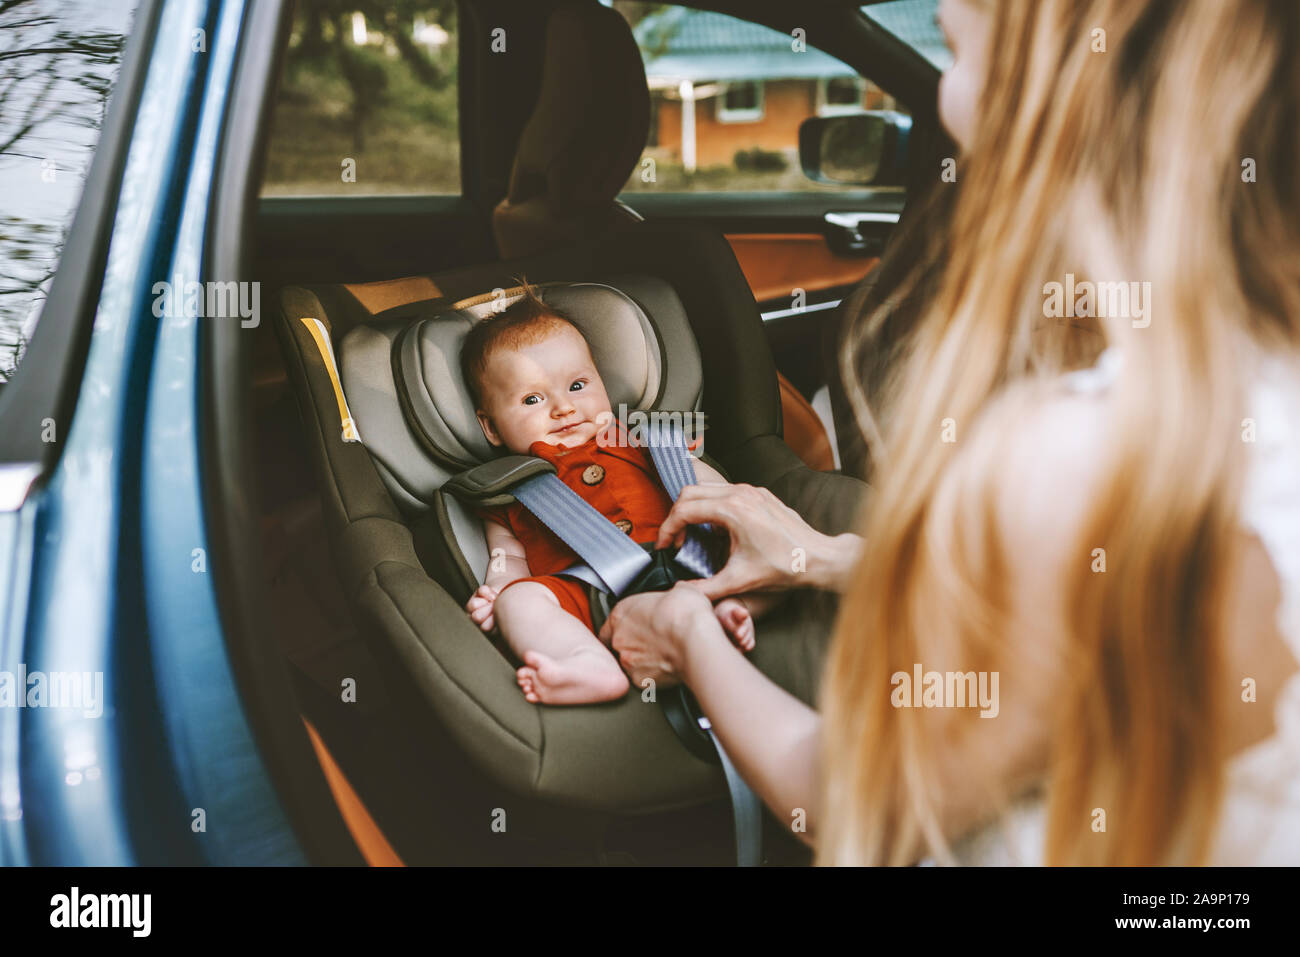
61,160
131,743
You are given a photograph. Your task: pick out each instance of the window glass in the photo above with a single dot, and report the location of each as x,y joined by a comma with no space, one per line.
741,102
841,94
367,103
59,60
728,96
913,22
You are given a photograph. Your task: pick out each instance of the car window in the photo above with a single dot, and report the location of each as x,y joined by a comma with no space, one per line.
727,97
59,60
367,104
913,22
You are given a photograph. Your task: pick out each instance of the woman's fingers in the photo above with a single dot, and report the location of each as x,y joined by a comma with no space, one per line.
647,631
697,505
729,581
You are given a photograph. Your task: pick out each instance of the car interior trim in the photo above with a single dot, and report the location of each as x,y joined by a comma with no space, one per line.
322,339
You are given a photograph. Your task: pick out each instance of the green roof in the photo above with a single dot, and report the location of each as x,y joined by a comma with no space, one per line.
684,44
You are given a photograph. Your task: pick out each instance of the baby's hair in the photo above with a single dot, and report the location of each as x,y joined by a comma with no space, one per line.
523,323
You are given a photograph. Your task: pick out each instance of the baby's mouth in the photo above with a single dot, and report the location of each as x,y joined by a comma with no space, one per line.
566,430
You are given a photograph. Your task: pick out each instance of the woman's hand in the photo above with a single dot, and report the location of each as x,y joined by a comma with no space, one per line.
652,633
772,547
771,736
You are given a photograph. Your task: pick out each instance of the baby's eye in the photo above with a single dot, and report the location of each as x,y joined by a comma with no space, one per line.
578,385
532,399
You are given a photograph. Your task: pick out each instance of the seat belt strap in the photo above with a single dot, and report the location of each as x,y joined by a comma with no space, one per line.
676,471
746,809
611,555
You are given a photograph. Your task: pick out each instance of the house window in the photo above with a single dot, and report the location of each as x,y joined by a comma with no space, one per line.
840,94
741,102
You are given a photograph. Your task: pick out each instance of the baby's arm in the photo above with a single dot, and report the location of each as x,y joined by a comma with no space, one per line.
706,474
507,562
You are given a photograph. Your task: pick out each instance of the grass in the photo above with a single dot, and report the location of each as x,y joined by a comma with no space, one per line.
410,136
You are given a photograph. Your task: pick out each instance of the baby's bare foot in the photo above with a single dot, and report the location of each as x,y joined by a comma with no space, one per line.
736,621
584,677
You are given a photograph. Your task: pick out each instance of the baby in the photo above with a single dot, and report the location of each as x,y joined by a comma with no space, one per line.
537,392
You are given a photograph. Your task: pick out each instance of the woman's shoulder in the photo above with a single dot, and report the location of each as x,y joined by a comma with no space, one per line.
1040,451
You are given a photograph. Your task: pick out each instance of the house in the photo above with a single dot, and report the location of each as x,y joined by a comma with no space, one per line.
720,86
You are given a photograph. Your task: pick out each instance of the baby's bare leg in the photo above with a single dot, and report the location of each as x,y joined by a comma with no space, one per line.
759,603
738,613
564,663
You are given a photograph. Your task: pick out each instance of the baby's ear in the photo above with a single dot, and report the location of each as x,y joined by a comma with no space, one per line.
489,430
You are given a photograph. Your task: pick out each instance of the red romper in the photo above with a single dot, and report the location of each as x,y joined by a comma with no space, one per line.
619,481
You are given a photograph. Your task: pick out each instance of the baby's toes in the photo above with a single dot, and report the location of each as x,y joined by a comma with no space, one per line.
527,679
730,614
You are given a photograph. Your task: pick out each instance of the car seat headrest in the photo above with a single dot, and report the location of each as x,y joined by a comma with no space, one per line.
437,401
414,412
583,138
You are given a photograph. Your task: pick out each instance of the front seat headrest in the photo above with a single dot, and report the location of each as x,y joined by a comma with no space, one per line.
584,136
413,408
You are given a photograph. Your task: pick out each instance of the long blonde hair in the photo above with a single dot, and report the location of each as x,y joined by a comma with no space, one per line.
1165,157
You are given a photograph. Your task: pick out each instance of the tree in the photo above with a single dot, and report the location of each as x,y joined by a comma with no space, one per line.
54,85
365,77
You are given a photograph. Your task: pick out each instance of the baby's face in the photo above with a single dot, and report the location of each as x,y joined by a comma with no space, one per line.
546,392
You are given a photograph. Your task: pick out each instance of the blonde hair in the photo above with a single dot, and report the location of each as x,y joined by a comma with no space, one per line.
1118,165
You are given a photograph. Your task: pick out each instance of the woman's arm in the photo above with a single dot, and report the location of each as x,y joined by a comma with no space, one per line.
673,636
772,736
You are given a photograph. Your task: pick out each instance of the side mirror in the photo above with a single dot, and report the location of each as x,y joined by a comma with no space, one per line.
857,149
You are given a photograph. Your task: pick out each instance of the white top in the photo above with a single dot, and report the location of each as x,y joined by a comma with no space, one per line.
1260,818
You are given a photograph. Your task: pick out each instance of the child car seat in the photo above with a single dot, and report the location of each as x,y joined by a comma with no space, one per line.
375,369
